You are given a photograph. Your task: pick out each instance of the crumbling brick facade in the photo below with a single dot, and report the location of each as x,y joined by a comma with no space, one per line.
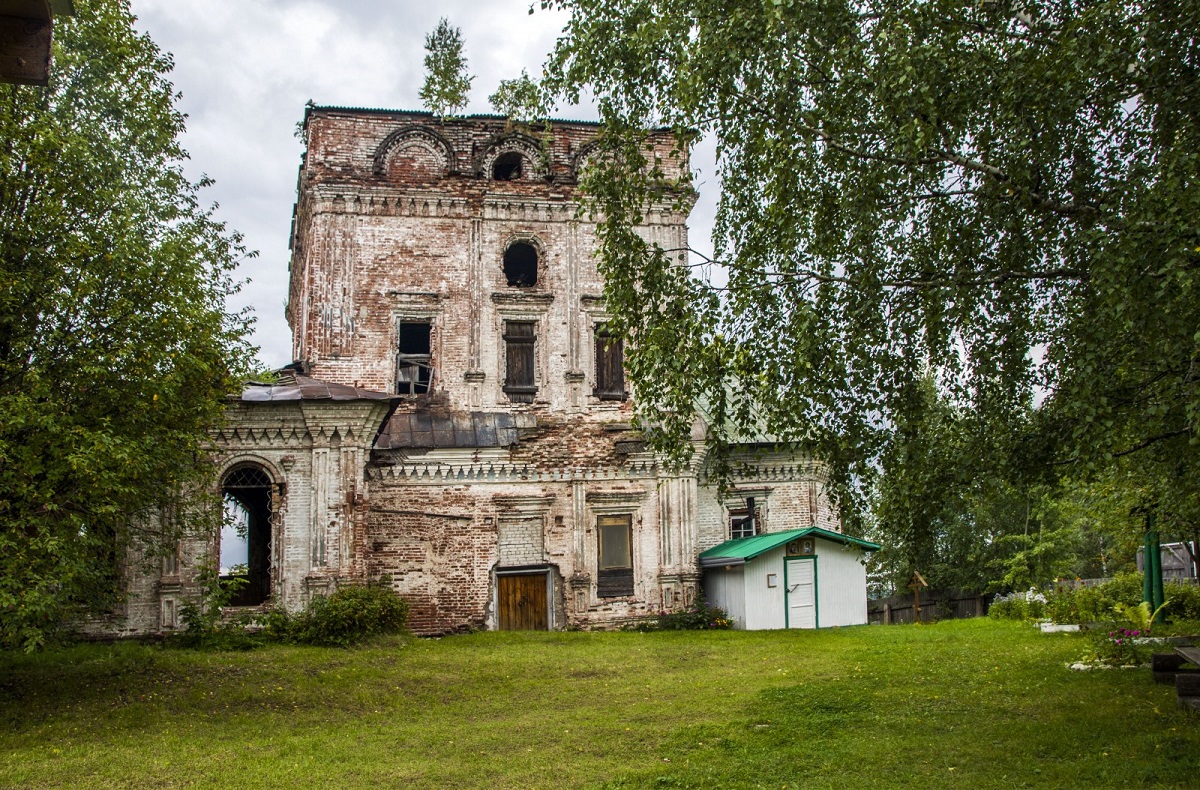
445,263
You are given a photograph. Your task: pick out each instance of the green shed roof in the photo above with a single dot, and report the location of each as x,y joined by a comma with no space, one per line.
737,551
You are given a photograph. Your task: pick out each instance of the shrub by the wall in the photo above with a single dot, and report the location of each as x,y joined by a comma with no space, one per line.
349,616
697,617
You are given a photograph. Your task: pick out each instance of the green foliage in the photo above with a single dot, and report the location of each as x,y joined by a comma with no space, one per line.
700,616
1124,588
205,624
1001,199
348,617
115,345
1099,603
447,83
1182,602
1118,600
1018,606
940,507
1140,616
1120,647
521,100
1080,605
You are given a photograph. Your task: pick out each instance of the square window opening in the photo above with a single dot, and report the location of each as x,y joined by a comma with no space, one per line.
414,370
742,524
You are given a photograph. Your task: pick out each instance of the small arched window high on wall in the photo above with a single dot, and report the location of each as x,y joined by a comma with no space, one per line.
508,167
521,264
245,545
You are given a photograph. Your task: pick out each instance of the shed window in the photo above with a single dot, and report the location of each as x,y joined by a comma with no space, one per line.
614,577
413,359
518,356
521,265
610,365
507,167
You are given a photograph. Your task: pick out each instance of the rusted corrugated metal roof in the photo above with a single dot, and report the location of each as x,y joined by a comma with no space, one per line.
430,429
291,387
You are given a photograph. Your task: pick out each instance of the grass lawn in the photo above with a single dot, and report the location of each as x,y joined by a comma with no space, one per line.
970,704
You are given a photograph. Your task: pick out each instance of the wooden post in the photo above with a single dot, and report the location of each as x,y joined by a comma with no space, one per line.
918,581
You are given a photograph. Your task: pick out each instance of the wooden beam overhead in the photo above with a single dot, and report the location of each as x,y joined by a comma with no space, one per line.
26,31
24,50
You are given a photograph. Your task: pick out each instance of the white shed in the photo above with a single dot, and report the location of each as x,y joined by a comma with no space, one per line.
802,578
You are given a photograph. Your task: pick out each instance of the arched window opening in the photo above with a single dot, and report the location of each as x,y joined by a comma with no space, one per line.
521,265
508,167
245,546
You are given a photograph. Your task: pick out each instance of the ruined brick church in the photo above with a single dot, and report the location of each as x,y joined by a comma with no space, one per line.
457,424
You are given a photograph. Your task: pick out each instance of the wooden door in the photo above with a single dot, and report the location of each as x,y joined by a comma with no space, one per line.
521,602
802,593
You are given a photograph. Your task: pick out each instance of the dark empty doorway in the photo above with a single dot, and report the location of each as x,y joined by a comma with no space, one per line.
245,546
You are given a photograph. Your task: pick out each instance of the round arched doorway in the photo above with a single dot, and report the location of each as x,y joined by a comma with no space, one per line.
245,545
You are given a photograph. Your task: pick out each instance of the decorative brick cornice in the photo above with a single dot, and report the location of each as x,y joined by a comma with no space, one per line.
443,473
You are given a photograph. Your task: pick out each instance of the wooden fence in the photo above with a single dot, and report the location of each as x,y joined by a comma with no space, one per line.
935,605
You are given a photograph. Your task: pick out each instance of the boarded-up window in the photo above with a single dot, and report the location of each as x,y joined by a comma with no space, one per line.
413,359
614,577
610,365
518,360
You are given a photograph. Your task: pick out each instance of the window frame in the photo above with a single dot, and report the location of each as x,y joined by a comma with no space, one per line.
738,509
608,346
523,391
737,524
419,361
614,581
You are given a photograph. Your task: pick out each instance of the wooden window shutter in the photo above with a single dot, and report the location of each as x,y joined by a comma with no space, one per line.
519,360
610,366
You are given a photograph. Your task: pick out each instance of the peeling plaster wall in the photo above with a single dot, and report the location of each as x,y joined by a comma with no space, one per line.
398,220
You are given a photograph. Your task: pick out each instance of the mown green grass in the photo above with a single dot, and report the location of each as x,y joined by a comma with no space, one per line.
972,704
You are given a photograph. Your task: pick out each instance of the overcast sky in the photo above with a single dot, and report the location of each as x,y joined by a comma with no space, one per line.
245,69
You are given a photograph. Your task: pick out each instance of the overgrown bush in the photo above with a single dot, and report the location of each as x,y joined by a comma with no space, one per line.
349,616
1029,605
1101,603
697,617
1183,602
205,623
1067,604
1123,588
